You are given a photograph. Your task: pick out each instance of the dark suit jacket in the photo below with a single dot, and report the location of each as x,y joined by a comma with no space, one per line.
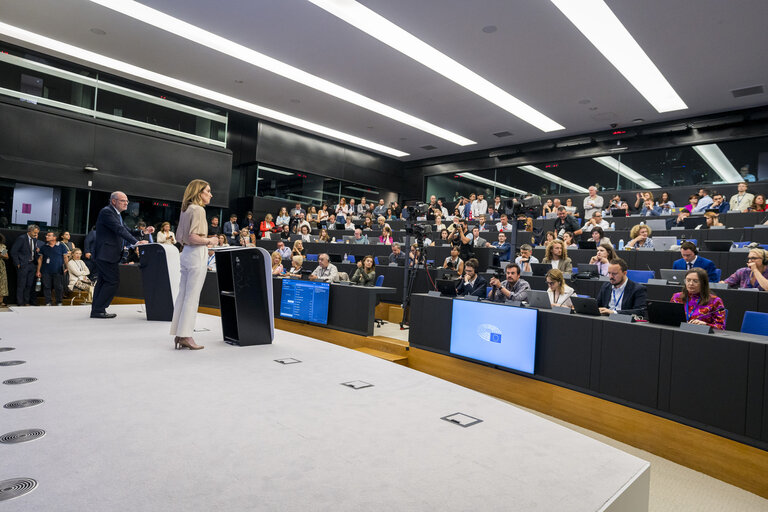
90,241
110,233
703,263
478,290
20,250
632,302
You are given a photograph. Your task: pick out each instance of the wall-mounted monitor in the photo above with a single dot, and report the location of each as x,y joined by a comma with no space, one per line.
495,334
305,300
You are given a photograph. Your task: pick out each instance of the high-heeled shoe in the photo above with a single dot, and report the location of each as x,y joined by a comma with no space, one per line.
177,343
190,344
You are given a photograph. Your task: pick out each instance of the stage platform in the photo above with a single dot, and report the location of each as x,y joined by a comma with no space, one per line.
131,424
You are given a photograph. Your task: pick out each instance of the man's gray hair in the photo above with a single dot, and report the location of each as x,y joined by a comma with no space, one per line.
114,195
32,227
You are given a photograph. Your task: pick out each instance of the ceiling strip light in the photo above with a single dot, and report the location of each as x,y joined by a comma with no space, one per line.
486,181
716,159
197,35
627,172
276,171
168,82
551,177
390,34
604,30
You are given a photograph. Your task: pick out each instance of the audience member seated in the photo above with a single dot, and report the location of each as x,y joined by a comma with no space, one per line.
693,201
213,227
360,238
477,241
665,203
705,201
741,200
596,221
505,250
381,222
222,240
380,209
641,198
471,283
298,248
681,216
559,293
513,288
546,208
569,207
386,236
549,236
250,222
297,210
397,256
438,226
78,274
245,238
390,215
566,222
616,203
365,274
285,233
701,306
719,204
283,219
367,224
211,261
277,264
165,235
283,251
296,262
556,254
711,219
454,262
754,275
324,236
525,259
503,224
444,235
232,230
568,240
305,236
443,209
481,224
619,294
650,209
640,237
50,267
603,257
598,236
691,259
758,203
325,271
492,214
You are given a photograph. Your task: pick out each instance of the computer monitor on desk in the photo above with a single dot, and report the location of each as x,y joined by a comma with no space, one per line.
693,222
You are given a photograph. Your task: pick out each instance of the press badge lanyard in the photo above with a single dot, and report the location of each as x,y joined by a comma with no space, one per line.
617,301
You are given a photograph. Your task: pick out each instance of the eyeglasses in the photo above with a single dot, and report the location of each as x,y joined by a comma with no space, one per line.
692,281
750,258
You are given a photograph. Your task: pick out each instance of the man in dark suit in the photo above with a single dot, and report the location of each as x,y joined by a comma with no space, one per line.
471,283
691,259
620,295
25,252
111,233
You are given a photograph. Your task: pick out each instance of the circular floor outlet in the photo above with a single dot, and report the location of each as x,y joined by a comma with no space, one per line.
22,436
11,363
16,487
19,380
21,404
7,349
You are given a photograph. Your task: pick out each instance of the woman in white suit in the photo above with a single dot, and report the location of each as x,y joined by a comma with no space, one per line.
192,233
559,292
78,274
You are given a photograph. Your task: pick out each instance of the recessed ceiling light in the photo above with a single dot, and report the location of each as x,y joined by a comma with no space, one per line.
716,159
173,83
197,35
490,29
638,120
98,31
390,34
604,30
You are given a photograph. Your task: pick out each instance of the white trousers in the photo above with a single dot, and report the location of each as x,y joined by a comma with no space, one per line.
193,271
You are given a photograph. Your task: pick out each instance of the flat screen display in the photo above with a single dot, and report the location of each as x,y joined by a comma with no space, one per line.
305,300
495,334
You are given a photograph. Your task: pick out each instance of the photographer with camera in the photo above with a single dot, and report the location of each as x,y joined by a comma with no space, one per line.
462,238
513,288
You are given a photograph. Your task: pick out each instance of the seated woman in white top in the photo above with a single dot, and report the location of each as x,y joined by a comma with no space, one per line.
605,254
282,218
78,274
640,237
165,235
559,293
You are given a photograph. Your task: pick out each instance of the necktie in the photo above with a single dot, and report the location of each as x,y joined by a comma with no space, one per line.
31,248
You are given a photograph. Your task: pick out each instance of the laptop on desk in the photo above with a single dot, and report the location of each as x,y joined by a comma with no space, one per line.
539,299
447,287
694,222
587,244
585,305
666,313
718,245
664,243
618,212
673,276
540,269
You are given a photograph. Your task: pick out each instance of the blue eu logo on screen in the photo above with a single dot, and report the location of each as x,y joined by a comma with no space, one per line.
489,332
495,338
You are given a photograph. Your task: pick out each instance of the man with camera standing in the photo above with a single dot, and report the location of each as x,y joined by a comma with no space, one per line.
462,239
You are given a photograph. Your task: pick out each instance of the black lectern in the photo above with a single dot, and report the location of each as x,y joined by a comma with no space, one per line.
160,276
245,295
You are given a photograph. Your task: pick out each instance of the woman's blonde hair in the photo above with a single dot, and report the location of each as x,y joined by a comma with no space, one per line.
298,259
192,193
268,217
636,230
162,226
556,275
548,251
276,256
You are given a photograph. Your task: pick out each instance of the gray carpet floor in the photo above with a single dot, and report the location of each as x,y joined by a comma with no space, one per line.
134,425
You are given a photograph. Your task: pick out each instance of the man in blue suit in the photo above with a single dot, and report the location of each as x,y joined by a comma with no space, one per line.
620,295
691,259
25,252
471,283
111,233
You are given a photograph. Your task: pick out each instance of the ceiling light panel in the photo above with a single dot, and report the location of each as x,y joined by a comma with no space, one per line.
164,81
392,35
604,30
716,159
551,177
197,35
627,172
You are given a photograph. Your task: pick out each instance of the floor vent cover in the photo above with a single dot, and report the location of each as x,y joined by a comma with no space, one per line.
19,380
16,487
21,404
11,363
22,436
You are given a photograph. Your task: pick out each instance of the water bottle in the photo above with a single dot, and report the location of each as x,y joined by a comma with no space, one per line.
613,225
38,285
345,258
621,244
